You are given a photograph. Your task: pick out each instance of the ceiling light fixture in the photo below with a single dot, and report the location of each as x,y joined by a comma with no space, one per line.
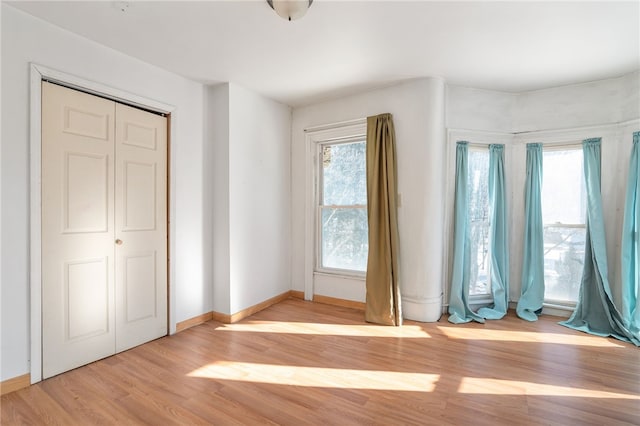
290,9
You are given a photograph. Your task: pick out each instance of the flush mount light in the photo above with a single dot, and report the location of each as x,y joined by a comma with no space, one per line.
290,9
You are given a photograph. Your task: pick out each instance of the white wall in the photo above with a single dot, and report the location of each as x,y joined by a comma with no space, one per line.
589,104
217,160
418,111
630,94
259,187
27,39
478,109
250,144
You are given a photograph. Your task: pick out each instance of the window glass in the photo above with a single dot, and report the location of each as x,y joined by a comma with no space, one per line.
563,213
478,185
343,207
344,239
344,180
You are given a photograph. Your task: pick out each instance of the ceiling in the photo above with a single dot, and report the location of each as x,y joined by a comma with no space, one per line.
342,47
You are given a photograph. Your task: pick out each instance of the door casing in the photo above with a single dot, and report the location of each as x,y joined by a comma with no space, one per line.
39,73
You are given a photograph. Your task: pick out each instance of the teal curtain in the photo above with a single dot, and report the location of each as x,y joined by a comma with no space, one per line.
595,312
631,245
532,295
459,311
498,242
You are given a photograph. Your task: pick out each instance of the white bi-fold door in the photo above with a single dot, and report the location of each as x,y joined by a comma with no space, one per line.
104,228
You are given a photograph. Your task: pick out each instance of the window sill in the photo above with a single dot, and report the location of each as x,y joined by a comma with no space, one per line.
556,310
569,306
481,300
341,275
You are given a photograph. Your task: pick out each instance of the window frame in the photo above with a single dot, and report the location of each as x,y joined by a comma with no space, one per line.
557,147
480,139
488,296
313,135
319,206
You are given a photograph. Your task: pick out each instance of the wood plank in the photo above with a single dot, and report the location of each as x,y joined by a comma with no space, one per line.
300,362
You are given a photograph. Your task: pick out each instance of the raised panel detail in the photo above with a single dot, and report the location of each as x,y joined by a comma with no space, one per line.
140,136
86,298
139,197
86,123
139,286
86,193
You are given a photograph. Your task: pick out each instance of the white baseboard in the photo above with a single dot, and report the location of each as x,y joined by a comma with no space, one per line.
422,309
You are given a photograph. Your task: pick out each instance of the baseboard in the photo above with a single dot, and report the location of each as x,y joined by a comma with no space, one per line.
338,302
240,315
220,317
14,384
295,294
183,325
422,309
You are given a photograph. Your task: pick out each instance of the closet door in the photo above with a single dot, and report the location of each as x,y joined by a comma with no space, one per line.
141,227
104,228
78,286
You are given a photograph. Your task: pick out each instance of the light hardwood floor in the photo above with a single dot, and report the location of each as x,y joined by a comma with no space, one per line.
301,363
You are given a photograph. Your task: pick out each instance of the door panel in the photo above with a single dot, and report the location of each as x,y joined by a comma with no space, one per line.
83,122
141,225
86,193
86,297
78,288
139,200
139,286
141,135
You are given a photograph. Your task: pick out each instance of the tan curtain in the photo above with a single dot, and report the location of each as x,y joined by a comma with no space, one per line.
383,292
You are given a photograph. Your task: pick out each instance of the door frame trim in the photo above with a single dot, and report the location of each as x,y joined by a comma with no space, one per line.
37,74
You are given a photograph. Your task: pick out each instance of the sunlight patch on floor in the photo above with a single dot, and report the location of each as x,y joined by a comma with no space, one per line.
527,336
474,385
318,377
406,331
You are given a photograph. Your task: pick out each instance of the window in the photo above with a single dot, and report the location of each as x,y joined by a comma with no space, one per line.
478,184
342,209
564,203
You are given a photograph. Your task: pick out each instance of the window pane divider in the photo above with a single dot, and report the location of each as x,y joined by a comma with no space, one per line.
340,273
342,141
